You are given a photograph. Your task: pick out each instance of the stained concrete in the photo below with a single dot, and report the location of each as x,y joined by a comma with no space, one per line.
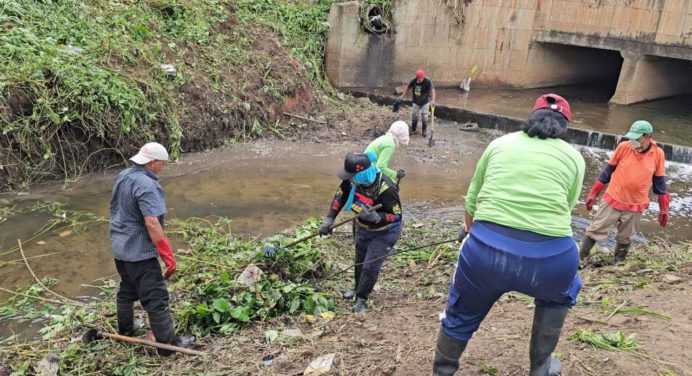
513,43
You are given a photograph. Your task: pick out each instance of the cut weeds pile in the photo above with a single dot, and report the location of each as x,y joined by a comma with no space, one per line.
208,299
632,319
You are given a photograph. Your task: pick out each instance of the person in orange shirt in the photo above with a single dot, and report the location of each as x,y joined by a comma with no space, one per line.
636,166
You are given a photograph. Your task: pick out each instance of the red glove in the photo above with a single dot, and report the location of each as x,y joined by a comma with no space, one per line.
166,253
664,206
593,194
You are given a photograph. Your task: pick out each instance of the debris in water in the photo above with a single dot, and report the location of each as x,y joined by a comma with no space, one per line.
41,242
320,366
65,233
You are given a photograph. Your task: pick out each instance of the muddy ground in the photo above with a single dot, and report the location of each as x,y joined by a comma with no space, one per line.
397,335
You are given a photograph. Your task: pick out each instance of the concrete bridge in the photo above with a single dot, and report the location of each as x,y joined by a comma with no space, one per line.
642,47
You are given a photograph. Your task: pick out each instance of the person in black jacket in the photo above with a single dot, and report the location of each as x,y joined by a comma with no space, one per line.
363,186
423,92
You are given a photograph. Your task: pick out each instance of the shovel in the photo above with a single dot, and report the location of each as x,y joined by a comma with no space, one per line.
270,250
95,334
431,140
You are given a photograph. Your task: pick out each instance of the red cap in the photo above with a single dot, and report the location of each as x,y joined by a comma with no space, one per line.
554,102
420,73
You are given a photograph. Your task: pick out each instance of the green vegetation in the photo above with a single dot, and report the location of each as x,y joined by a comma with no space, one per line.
209,299
606,341
82,84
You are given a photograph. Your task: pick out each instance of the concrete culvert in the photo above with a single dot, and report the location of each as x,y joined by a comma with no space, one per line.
373,21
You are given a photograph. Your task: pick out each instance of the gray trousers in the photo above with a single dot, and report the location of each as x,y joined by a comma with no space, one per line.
425,111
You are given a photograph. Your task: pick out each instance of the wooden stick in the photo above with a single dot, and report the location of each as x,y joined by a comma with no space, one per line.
165,346
304,118
31,296
331,228
19,242
616,310
28,258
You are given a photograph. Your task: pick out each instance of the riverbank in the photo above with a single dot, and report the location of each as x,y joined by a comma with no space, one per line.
295,314
84,85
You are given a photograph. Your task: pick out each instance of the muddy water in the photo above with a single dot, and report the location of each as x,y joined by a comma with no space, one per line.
266,187
671,117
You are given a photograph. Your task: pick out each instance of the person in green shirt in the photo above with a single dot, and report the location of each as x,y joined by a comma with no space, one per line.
518,237
385,145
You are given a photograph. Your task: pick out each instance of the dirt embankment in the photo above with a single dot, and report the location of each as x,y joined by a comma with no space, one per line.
191,76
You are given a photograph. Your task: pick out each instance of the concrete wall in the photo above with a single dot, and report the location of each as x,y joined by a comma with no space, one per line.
513,42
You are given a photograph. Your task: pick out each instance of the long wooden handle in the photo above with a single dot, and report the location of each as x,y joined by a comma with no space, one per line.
165,346
333,227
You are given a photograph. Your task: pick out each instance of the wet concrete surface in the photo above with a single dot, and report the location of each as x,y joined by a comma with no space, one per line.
265,187
671,117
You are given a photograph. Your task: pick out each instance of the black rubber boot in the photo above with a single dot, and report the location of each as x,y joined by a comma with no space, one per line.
365,286
164,331
126,318
360,306
414,125
357,271
585,247
425,129
621,251
447,355
545,333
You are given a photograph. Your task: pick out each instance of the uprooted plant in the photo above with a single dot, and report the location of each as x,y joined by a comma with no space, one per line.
208,295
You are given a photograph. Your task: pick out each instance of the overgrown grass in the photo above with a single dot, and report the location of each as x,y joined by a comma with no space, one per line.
79,78
81,83
208,298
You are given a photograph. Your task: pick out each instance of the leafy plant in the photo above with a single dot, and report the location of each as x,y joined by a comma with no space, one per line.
606,341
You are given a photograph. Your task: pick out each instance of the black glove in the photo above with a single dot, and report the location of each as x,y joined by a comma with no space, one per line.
462,234
326,226
369,216
400,174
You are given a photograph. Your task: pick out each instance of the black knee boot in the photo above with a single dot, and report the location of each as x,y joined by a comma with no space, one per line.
162,325
545,333
585,247
447,355
357,271
366,284
414,125
425,128
621,251
126,318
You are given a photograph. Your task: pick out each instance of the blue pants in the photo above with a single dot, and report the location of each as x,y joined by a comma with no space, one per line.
496,259
372,248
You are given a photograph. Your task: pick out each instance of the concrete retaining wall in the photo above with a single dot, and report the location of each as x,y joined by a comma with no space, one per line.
513,42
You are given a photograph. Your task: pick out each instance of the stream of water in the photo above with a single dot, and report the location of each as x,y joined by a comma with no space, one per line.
265,187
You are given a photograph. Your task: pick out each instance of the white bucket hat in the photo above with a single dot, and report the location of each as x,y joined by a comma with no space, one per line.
152,151
399,130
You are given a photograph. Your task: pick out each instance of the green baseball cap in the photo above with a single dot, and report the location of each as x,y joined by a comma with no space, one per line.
639,128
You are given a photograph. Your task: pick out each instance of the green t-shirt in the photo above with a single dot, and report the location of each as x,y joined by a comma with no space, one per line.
528,184
384,147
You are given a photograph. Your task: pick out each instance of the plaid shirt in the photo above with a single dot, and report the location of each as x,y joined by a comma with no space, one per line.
136,194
